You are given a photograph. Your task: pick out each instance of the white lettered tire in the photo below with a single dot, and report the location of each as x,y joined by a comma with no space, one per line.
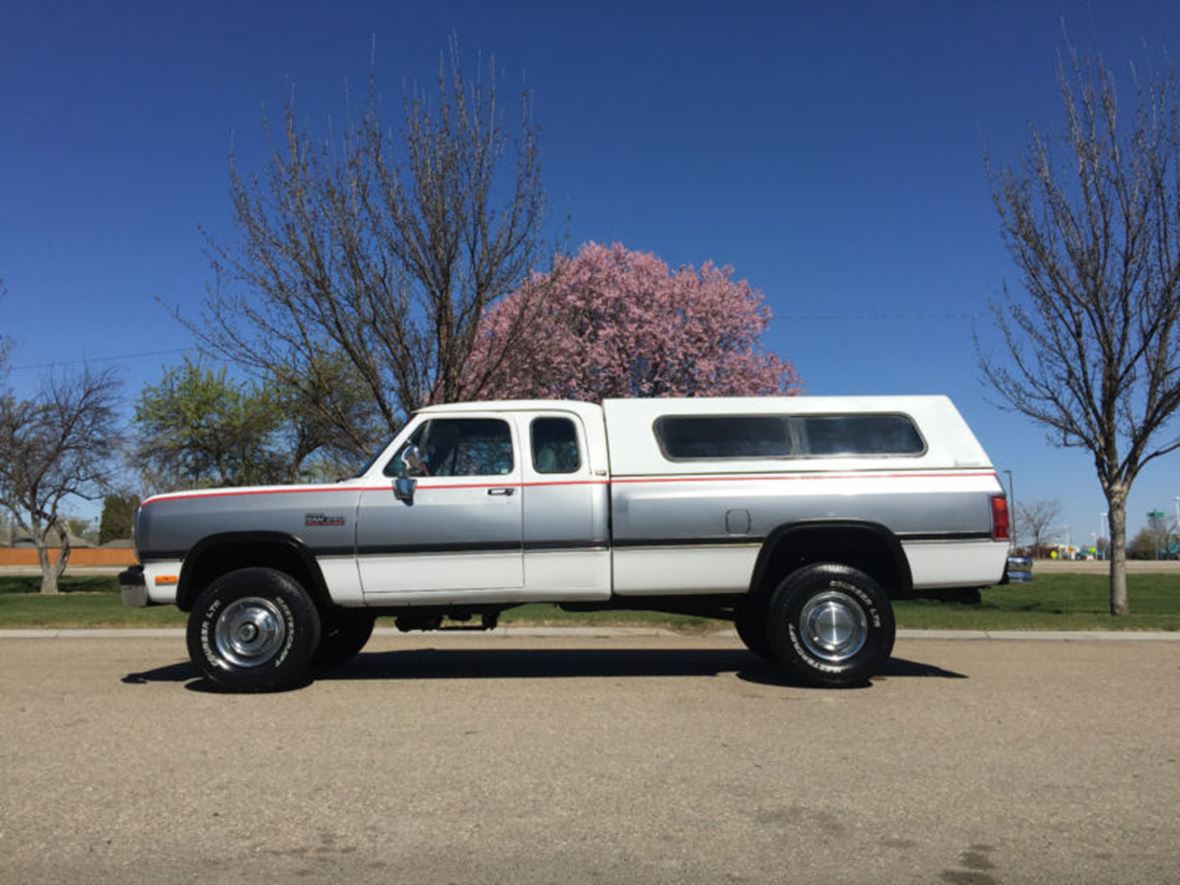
254,629
830,625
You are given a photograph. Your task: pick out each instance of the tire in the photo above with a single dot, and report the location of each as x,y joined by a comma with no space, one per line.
254,629
830,626
344,633
751,630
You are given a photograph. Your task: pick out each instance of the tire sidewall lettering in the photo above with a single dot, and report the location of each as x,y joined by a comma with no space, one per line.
857,593
289,620
208,619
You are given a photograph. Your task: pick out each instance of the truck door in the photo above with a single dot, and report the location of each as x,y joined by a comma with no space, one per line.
566,524
459,537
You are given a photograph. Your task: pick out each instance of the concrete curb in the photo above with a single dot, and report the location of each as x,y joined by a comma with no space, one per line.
607,632
1046,635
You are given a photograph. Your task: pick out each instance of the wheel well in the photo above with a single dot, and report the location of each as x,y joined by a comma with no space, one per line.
867,546
220,554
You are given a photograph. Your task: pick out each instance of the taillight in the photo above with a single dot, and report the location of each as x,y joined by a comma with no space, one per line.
999,518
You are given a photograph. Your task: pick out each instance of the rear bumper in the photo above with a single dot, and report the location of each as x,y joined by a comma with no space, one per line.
133,587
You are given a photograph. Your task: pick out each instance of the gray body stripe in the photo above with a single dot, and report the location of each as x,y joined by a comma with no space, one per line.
589,545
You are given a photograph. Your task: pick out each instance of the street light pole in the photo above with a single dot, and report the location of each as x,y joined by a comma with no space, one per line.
1012,508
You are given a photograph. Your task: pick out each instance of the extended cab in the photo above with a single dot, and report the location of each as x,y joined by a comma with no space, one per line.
798,518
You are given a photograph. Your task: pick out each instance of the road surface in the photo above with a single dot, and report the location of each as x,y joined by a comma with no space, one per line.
471,759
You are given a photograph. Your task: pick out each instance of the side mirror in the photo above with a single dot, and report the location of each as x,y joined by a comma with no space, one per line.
403,488
409,464
411,461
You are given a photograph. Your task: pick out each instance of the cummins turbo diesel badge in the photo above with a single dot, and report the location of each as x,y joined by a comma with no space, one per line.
322,520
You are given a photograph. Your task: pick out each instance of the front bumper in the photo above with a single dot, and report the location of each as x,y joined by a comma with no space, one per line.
133,587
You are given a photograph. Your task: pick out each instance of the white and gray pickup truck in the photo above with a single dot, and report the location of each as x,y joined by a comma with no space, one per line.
798,518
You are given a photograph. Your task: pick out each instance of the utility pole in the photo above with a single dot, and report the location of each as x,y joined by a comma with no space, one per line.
1012,509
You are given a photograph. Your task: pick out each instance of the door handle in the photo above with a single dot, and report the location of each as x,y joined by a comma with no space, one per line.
501,491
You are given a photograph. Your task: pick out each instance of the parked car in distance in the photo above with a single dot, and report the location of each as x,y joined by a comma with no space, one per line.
1019,569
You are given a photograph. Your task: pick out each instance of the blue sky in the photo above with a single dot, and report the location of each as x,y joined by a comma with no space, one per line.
831,153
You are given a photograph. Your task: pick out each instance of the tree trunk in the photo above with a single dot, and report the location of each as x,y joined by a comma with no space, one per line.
49,572
63,559
1116,500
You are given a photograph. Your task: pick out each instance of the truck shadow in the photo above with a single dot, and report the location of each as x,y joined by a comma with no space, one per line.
431,663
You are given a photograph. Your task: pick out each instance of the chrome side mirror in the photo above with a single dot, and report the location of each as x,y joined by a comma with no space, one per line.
411,461
409,464
403,488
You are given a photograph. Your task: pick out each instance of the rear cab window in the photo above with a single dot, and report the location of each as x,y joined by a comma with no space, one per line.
554,443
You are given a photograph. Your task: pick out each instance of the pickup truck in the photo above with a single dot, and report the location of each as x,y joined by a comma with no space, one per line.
797,518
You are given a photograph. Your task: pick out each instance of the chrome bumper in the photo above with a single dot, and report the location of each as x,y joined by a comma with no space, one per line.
133,588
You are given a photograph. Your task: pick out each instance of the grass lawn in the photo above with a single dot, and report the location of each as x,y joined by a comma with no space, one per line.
1054,602
1051,602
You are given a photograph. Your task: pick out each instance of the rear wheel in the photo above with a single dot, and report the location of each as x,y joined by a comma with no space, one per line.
344,633
253,629
830,625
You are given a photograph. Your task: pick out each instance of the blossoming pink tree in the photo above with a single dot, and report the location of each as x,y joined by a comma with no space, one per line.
610,322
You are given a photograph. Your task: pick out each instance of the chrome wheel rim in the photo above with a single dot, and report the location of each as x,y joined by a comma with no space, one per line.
833,626
249,632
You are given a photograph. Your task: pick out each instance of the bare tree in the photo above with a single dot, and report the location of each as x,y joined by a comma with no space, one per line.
1038,518
1092,221
54,448
381,250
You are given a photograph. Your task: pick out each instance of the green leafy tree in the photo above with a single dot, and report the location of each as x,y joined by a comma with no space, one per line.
81,528
198,428
332,423
118,517
1145,544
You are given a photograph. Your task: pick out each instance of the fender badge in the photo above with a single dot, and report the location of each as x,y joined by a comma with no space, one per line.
322,520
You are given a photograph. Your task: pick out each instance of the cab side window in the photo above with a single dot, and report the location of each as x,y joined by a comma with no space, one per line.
555,446
462,447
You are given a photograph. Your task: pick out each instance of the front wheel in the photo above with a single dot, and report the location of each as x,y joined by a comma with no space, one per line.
830,625
254,629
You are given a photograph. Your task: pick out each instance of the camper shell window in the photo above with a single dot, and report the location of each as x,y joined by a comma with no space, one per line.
728,437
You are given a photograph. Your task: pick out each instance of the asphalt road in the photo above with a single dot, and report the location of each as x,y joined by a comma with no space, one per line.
474,759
